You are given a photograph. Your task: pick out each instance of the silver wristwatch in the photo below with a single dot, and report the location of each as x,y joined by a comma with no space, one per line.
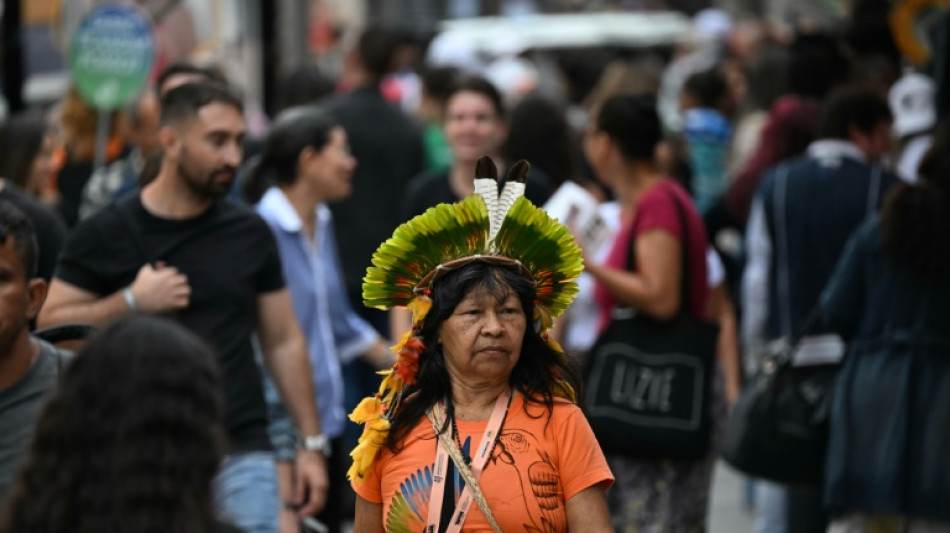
316,443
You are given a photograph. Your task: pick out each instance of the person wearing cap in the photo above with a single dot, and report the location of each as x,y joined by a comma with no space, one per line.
475,428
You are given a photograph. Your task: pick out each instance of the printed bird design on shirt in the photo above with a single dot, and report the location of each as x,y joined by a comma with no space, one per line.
539,480
407,513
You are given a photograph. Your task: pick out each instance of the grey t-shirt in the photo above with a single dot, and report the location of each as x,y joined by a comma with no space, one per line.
19,408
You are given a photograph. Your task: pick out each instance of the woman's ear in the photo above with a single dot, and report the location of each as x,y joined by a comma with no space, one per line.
306,158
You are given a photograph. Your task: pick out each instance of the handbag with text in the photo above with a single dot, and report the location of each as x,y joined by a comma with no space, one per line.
647,382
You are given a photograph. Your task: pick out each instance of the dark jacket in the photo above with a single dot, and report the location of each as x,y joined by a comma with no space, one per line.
890,416
387,145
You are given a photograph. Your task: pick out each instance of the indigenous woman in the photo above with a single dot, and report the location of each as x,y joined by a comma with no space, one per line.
475,428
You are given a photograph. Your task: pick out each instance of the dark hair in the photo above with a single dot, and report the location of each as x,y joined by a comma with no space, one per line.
207,74
708,87
632,123
533,375
817,63
437,82
861,108
294,130
377,48
916,217
538,132
481,86
129,441
183,103
766,78
16,225
304,85
21,139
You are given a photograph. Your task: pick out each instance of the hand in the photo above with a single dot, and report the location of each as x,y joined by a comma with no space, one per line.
160,289
311,482
288,522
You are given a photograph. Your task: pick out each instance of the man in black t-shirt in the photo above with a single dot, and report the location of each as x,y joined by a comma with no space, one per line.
180,249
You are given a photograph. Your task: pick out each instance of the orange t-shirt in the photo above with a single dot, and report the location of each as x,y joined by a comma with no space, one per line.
537,465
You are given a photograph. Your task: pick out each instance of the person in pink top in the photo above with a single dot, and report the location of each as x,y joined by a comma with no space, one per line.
649,494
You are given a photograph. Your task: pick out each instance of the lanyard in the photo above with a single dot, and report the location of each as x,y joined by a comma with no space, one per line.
478,464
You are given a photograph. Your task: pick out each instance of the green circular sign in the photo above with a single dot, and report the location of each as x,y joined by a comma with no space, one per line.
111,55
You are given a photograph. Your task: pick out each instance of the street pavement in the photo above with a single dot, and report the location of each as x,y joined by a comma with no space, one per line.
728,511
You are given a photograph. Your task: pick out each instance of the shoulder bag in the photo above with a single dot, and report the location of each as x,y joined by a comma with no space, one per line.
647,381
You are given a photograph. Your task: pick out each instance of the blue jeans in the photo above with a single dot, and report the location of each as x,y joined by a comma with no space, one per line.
245,492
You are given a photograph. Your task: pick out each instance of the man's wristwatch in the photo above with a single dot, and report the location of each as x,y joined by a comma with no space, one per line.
316,443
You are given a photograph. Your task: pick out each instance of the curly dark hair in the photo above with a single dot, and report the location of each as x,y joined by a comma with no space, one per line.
130,441
533,376
916,217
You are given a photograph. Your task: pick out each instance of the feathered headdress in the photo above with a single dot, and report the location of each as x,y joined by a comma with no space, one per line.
497,224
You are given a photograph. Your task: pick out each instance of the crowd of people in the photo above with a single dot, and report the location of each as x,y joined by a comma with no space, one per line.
769,177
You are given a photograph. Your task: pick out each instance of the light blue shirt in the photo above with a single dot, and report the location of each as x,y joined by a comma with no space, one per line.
335,333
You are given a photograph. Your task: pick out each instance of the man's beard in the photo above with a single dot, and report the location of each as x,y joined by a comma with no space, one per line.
207,188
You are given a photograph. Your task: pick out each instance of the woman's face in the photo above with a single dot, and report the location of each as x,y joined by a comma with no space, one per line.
331,169
481,340
472,126
42,170
597,149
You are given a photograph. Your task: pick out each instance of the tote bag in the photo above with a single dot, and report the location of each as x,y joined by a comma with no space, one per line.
647,382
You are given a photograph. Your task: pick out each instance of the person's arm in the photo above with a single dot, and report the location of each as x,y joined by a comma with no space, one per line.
586,512
722,311
369,516
155,290
655,288
285,353
289,521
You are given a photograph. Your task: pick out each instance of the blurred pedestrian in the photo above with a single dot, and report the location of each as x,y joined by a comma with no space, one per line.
121,177
886,470
650,494
179,249
475,125
305,164
538,132
78,123
707,105
437,82
388,144
26,167
29,368
26,153
136,453
802,216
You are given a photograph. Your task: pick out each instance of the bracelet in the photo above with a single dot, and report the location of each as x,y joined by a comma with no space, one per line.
129,298
290,506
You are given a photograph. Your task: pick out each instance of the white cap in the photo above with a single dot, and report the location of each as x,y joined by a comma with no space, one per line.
912,103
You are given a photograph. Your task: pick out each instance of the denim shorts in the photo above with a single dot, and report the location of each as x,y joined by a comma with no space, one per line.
246,493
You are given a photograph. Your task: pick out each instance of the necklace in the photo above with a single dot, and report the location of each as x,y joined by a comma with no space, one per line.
458,442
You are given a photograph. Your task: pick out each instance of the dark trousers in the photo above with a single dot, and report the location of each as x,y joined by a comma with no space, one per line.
806,512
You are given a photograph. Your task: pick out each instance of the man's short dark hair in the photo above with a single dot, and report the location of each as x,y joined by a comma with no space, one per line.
861,108
377,47
14,224
211,74
182,103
